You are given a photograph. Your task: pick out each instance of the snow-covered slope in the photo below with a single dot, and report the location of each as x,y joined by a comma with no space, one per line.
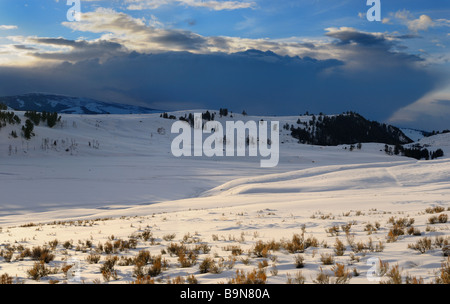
440,140
119,168
69,105
415,135
76,162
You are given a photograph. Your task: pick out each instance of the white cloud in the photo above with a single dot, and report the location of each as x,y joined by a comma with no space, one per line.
106,20
423,23
211,4
146,4
119,33
8,27
149,36
443,22
218,5
430,111
154,22
136,34
141,35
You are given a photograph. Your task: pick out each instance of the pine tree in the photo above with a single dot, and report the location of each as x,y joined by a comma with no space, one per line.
27,129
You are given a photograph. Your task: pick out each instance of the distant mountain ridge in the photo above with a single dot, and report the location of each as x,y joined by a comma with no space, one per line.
69,105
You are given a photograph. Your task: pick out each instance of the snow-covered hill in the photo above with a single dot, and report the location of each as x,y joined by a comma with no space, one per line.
438,140
70,105
415,135
112,178
134,151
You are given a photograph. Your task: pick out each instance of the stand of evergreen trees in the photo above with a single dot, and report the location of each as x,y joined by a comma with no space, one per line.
437,132
349,128
207,116
418,152
34,118
166,116
223,112
8,118
37,117
27,129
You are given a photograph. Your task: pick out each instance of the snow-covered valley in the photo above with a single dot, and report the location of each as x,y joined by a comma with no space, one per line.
106,186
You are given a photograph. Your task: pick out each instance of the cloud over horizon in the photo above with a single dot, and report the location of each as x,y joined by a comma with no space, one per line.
259,82
428,112
139,60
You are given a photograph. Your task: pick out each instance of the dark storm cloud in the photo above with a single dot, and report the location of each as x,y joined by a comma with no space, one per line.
220,42
24,47
181,39
79,50
368,39
259,82
372,76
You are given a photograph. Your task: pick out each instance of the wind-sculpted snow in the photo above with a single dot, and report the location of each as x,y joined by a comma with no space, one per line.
341,177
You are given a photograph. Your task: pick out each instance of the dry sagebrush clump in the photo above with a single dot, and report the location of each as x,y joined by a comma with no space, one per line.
327,259
442,219
252,277
298,279
261,249
6,279
444,273
40,270
436,209
298,243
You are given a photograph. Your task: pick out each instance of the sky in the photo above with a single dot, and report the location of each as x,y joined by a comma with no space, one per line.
265,57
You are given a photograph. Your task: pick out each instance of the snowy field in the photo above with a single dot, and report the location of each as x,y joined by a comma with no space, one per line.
104,194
